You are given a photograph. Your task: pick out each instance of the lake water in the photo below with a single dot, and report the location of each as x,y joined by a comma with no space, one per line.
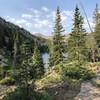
45,57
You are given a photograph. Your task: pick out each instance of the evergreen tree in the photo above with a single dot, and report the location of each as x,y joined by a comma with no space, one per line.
36,56
26,50
26,77
97,29
76,41
26,60
38,62
92,48
57,41
26,74
97,25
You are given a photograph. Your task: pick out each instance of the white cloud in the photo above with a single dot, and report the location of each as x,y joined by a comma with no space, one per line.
65,15
37,25
8,18
35,11
20,21
64,18
45,9
26,16
29,25
68,13
51,15
86,25
42,21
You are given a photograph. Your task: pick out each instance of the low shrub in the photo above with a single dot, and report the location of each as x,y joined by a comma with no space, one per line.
5,72
73,83
20,93
74,71
42,96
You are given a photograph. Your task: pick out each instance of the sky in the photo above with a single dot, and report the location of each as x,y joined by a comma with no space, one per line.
38,16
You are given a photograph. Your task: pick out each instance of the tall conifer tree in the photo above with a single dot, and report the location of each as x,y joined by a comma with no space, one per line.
97,30
76,41
97,25
26,74
38,62
57,41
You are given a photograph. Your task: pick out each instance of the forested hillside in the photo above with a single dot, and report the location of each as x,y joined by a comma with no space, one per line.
8,33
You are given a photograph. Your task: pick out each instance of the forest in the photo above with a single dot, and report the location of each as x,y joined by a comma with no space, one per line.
73,61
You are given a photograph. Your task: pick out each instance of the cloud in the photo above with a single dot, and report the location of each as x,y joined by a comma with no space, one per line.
45,22
34,11
42,20
26,16
42,23
10,19
29,25
86,25
20,21
45,9
68,13
37,25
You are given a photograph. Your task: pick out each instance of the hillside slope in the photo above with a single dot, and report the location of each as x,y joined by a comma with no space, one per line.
7,31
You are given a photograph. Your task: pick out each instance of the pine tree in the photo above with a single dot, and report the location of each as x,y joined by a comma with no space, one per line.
26,74
26,60
76,41
97,28
57,41
96,34
26,50
38,62
26,77
35,56
97,25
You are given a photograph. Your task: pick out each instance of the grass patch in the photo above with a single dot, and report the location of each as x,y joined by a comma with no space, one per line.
50,79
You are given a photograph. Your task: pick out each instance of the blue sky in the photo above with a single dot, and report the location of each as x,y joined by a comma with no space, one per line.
37,16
